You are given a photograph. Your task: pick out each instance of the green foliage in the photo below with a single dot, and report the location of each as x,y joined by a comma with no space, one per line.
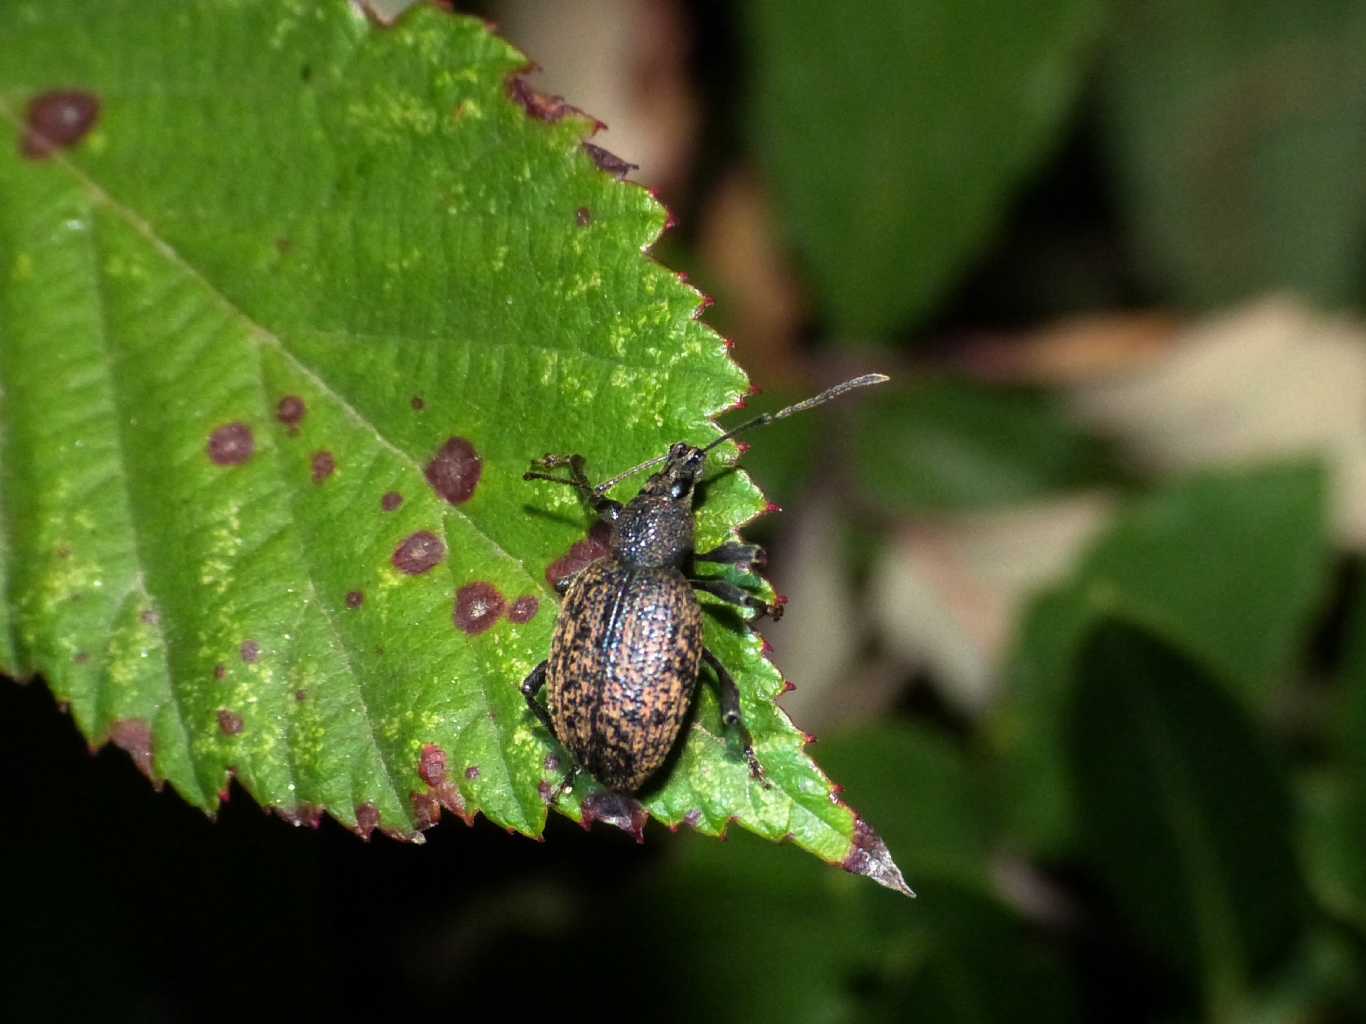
944,444
893,134
1236,132
1225,567
1183,812
282,325
956,954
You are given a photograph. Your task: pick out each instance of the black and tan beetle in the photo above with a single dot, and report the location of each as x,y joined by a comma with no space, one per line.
627,649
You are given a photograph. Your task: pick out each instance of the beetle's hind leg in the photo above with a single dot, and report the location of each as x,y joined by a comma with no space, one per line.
730,714
531,686
735,595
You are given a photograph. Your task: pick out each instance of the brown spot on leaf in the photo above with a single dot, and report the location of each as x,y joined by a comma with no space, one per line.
609,162
301,815
231,444
150,616
300,696
472,772
615,809
426,810
583,216
692,818
477,607
62,551
282,244
291,412
418,553
417,403
541,106
220,670
391,501
431,765
581,555
80,657
251,651
324,465
523,609
354,599
230,722
57,120
454,472
869,856
134,736
367,819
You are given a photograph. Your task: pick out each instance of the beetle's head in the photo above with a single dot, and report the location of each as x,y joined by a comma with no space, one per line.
682,467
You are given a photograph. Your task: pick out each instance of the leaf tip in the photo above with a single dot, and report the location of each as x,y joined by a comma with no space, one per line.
134,737
869,856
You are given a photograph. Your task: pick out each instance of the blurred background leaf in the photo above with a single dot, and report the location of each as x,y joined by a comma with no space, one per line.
1236,136
927,115
1183,813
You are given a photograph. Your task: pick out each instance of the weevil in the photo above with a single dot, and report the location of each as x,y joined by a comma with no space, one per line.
626,654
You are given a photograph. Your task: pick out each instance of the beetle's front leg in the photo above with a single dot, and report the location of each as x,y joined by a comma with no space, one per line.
604,508
730,592
734,553
730,714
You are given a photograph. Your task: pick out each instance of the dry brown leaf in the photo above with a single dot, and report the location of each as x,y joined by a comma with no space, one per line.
947,594
1272,379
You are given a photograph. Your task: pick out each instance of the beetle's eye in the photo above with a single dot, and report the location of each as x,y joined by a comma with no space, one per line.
679,489
677,450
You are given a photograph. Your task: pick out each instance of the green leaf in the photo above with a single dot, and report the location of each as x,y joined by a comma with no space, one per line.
1236,133
1224,566
1183,812
1334,798
894,134
946,445
287,302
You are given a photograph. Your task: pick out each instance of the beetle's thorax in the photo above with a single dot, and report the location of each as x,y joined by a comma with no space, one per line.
653,532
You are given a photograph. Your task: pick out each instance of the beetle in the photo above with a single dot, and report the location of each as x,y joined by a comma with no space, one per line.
626,654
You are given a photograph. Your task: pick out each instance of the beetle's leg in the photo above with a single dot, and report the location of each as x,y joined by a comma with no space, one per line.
734,554
730,592
531,686
605,508
730,713
567,783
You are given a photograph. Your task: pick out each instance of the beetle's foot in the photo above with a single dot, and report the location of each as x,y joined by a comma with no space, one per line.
773,611
566,785
756,770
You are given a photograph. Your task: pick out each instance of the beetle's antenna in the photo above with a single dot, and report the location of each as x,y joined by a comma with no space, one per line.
758,421
824,396
607,485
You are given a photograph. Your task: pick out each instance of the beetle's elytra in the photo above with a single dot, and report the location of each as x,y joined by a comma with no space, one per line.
627,649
